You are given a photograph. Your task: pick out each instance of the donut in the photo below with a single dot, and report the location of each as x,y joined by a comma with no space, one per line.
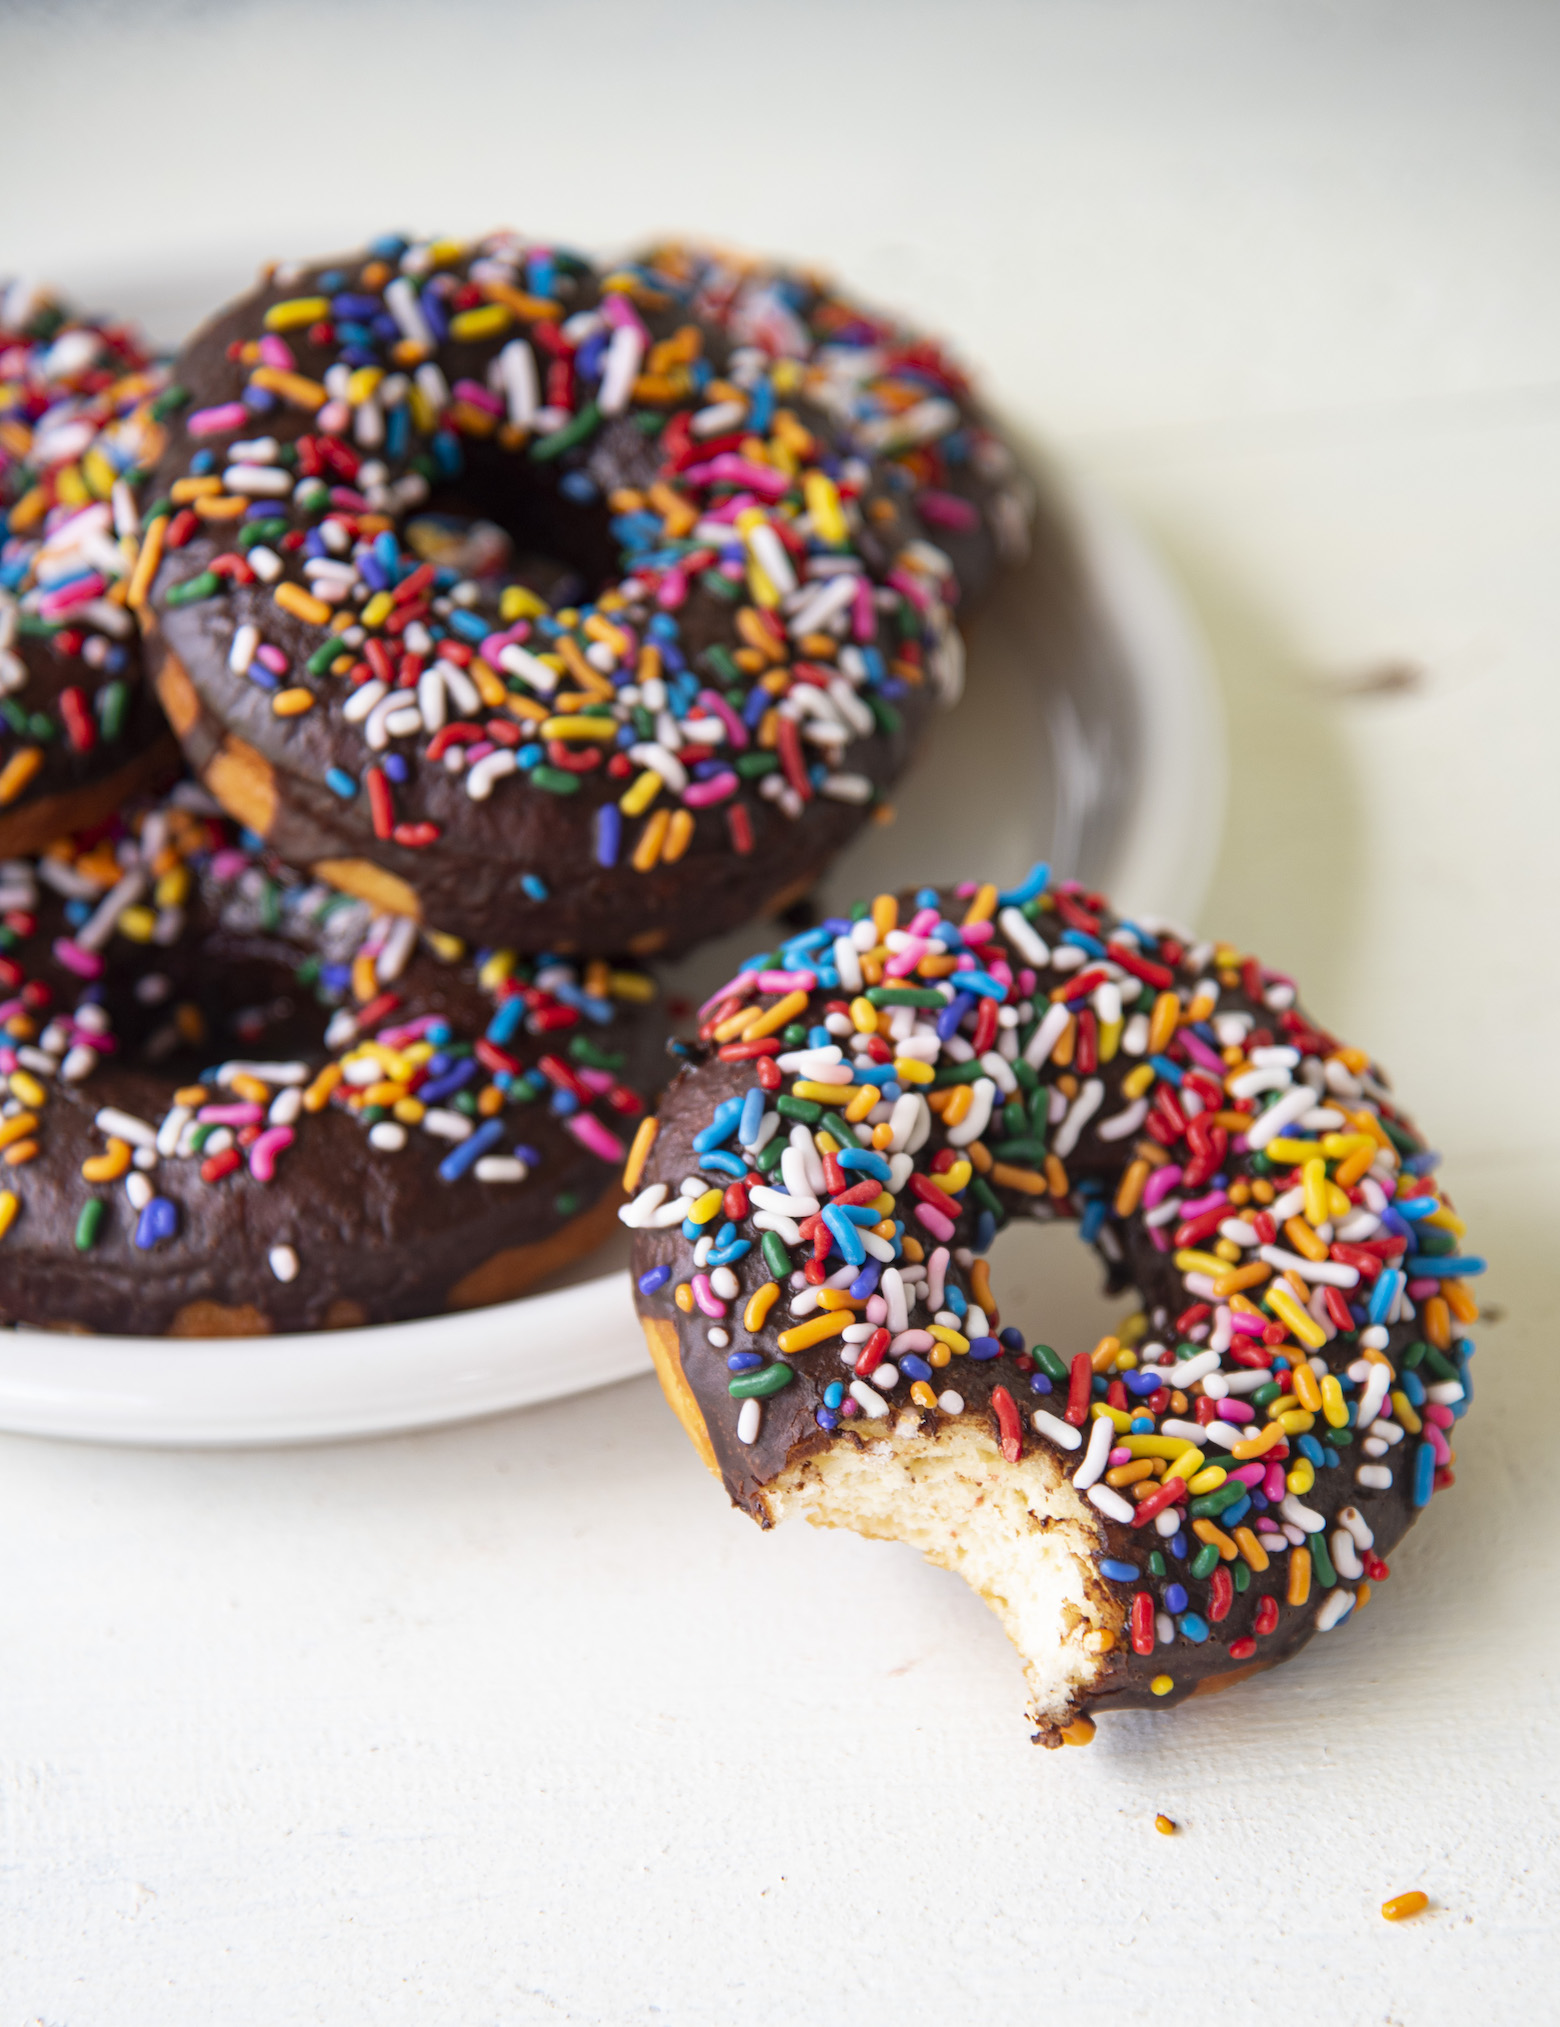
80,730
582,608
240,1101
1202,1491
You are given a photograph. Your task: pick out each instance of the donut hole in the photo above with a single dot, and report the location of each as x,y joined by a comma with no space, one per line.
182,1017
1053,1287
555,529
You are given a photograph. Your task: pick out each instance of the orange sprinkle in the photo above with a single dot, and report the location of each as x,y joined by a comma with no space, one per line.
1402,1905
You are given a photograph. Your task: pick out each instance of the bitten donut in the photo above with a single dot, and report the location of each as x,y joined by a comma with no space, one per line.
589,609
1193,1497
238,1101
80,730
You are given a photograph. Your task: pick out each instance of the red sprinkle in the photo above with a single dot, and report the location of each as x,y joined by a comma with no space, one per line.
1010,1428
1080,1388
1267,1617
1143,1622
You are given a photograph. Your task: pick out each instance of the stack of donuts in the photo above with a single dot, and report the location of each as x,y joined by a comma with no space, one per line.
521,622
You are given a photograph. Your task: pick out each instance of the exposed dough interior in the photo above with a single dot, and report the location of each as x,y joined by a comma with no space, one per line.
1018,1534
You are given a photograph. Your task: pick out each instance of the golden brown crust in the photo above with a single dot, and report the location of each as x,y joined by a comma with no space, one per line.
36,825
220,1319
517,1268
661,1337
176,693
243,783
370,883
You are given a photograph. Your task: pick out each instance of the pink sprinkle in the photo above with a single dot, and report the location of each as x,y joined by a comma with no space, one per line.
272,658
1026,982
730,469
863,613
1248,1474
620,312
1215,1201
947,510
1273,1485
595,1138
477,395
706,1297
911,1340
788,981
717,706
1246,1324
275,351
1422,1290
263,1153
1160,1237
1119,1456
922,922
85,963
912,588
1438,1413
1200,1052
230,1115
674,590
904,961
700,794
1236,1412
599,1081
228,415
1159,1185
7,1061
53,603
934,1221
229,864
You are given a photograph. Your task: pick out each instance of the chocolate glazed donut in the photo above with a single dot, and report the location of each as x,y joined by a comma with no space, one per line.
80,729
238,1101
1189,1500
582,608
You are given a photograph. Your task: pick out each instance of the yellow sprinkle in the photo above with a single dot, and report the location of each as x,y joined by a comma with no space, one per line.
410,1111
634,801
759,1304
1162,1685
1110,1039
1284,1306
1300,1477
579,728
183,491
1161,1446
1334,1406
28,1089
1405,1411
490,321
814,1330
638,1155
1102,1411
1207,1480
864,1016
823,503
378,609
107,1167
736,1025
682,1295
703,1208
146,563
982,908
302,604
1190,1261
911,1071
1187,1463
17,1128
1402,1905
861,1103
954,1340
1307,1392
292,703
1313,1177
822,1094
297,311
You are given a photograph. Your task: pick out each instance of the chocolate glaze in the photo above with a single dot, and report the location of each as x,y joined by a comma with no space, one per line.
467,881
379,1235
790,1428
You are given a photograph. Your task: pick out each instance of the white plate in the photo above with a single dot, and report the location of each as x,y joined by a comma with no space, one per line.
1089,735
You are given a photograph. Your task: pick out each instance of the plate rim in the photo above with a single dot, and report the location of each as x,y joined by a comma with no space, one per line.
391,1378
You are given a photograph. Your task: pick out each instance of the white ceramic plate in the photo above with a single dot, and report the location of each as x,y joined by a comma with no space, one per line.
1089,735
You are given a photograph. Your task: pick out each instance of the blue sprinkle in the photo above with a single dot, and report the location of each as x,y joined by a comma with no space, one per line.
439,1088
744,1361
158,1221
470,1151
846,1237
506,1022
1039,1383
1012,1337
985,1231
1119,1572
1141,1425
1329,1458
859,1214
913,1367
534,886
720,1128
866,1281
1423,1164
1093,1218
982,984
1143,1383
1033,884
339,782
834,1393
1414,1387
729,1254
1080,939
1384,1294
1234,1514
824,1417
948,1020
752,1116
394,765
864,1158
1309,1447
1177,1598
984,1347
724,1164
1178,1544
1441,1267
1171,1072
1424,1473
609,833
1194,1627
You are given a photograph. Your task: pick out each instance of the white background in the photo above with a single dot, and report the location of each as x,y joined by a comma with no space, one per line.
517,1723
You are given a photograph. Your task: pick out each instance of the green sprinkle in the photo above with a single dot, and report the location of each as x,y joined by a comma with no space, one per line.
758,1386
751,765
805,1109
261,531
717,661
888,719
112,702
170,401
555,780
1321,1561
768,1159
586,1052
718,585
89,1223
1031,1151
954,1073
794,1036
207,585
904,995
1050,1364
1241,1574
574,431
566,1203
1206,1560
776,1258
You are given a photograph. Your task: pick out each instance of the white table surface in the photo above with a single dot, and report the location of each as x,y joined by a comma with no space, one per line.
516,1723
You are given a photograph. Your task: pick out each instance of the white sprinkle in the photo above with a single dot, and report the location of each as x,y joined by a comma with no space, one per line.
1346,1557
500,1168
1301,1515
1092,1469
1044,1423
138,1190
1374,1477
389,1136
1111,1504
1335,1606
1047,1035
125,1126
1082,1110
1333,1272
749,1421
951,1403
1194,1369
870,1402
245,640
284,1263
489,770
1279,1115
1121,1124
444,1125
